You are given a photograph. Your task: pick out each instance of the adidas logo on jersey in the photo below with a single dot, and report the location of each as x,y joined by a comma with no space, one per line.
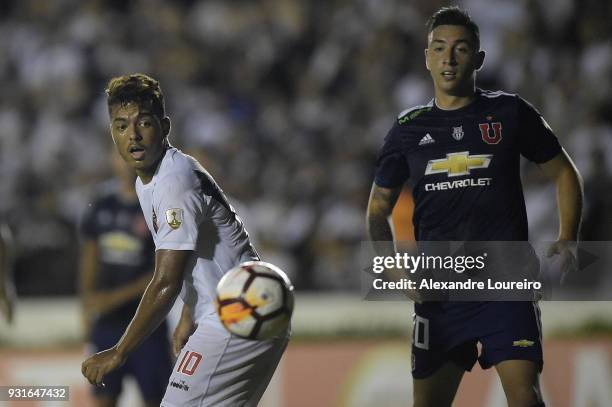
427,139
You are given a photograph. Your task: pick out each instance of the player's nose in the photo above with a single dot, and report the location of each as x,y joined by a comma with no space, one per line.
449,57
133,133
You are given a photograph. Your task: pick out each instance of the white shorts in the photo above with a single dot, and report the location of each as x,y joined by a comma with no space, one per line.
218,369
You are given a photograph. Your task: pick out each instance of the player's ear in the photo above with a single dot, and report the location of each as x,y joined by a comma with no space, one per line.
165,125
480,56
426,61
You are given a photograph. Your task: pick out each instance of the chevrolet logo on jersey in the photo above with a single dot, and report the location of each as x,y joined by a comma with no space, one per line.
457,164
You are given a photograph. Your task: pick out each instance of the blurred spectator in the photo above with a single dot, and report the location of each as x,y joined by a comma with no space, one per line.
7,291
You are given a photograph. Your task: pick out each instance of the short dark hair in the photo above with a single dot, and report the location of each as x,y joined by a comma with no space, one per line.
454,16
138,88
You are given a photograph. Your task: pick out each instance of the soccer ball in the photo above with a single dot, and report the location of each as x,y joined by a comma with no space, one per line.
255,300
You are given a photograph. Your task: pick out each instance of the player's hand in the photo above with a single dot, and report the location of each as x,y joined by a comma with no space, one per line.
183,331
567,251
397,275
96,367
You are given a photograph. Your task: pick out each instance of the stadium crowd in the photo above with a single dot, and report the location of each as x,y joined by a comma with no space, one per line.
285,102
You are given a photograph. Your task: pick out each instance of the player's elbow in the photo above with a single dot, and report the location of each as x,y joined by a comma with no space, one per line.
378,209
381,202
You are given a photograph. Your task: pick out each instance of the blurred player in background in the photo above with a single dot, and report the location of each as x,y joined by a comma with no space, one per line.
478,136
198,237
7,289
116,266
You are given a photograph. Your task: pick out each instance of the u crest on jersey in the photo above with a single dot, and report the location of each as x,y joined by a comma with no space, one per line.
485,132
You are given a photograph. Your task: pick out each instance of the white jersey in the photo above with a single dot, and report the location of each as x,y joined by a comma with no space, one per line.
186,210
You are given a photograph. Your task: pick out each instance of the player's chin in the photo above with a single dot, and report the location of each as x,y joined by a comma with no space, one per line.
447,87
451,87
139,164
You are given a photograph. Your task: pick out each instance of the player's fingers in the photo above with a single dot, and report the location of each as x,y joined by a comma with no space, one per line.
99,376
84,366
566,264
175,342
565,271
552,250
179,344
574,259
90,371
89,374
571,260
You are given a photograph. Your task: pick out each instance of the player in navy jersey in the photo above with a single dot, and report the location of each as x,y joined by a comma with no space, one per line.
116,266
461,153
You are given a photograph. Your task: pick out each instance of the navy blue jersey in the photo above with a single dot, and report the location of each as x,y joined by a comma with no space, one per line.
464,166
125,246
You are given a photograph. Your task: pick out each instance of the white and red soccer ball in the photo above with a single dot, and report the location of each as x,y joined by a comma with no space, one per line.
255,300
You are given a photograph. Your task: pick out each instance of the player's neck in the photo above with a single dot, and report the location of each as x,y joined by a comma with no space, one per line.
446,101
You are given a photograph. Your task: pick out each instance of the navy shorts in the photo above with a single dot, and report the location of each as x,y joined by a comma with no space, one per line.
449,332
150,364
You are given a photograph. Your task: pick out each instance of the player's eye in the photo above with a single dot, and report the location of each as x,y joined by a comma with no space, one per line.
145,123
438,49
120,127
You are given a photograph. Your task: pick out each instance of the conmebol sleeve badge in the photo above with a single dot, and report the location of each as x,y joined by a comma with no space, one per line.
174,217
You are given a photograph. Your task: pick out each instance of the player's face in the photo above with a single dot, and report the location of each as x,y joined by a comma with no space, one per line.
451,58
139,136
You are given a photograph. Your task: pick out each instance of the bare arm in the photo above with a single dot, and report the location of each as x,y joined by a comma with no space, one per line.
562,171
153,309
380,207
158,298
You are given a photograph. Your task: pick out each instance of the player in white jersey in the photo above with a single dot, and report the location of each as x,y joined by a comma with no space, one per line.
198,237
